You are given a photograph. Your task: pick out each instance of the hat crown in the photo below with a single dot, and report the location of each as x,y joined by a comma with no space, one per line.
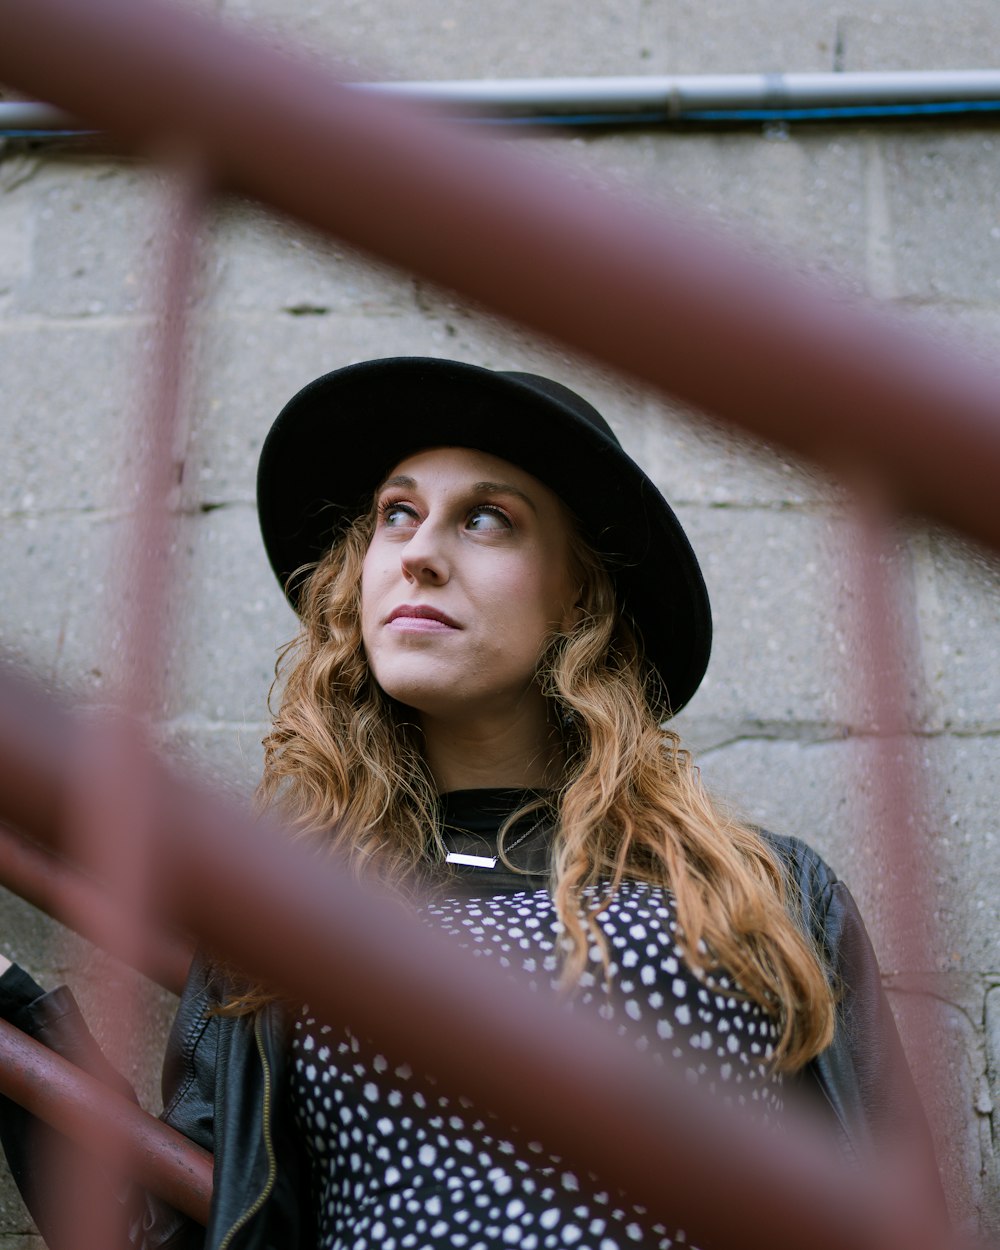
551,390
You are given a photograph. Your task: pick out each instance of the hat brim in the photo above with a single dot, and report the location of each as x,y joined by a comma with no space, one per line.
334,443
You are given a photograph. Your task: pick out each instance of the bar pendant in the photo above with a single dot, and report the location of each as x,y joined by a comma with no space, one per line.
471,861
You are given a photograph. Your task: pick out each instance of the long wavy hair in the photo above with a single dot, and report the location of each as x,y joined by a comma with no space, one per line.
344,764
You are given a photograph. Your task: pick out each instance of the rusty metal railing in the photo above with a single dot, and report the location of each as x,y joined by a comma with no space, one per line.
656,298
54,886
161,1159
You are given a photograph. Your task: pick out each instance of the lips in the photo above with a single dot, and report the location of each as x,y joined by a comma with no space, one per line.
421,617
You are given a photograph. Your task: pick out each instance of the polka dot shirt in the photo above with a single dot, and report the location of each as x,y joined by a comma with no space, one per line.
397,1165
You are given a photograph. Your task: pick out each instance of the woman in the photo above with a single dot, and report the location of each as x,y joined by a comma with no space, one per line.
499,611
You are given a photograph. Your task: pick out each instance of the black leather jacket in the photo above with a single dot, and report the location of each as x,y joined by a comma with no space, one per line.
224,1082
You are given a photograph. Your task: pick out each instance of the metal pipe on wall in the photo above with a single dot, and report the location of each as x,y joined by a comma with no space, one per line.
27,115
679,94
674,95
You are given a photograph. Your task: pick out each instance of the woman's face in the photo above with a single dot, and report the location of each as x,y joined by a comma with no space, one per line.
465,579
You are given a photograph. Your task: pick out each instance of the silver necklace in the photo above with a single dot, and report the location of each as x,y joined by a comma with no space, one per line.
490,861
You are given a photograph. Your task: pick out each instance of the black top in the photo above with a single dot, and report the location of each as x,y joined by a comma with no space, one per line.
398,1165
470,824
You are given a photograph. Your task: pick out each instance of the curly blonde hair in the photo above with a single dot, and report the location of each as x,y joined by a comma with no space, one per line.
344,763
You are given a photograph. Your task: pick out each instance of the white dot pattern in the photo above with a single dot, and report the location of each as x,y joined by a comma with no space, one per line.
399,1166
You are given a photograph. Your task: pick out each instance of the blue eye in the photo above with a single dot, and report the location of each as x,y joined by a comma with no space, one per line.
488,517
394,514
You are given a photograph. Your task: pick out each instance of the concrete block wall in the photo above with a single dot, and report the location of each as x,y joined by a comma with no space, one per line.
907,215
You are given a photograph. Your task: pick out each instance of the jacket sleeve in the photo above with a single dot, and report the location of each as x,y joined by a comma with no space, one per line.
40,1158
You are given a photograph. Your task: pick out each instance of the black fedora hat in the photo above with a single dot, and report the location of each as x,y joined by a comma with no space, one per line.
334,442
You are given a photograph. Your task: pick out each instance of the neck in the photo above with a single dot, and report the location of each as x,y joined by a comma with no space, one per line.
522,750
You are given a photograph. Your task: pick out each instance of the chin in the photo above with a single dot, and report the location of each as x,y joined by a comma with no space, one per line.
452,699
418,691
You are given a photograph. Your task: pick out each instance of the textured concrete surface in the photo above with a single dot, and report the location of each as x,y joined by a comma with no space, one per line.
907,215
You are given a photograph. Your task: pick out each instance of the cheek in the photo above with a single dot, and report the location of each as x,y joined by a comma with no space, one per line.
535,606
558,595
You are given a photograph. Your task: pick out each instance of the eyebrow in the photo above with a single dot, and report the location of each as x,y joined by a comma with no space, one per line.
477,488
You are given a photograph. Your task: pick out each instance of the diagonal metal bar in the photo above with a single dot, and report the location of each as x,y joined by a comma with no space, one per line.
55,887
356,955
162,1160
893,790
897,803
110,805
653,296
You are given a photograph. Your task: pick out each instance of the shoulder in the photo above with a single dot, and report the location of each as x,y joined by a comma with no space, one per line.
798,857
196,1011
209,1051
812,880
191,1057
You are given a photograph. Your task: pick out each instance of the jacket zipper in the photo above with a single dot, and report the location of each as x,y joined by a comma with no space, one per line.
272,1162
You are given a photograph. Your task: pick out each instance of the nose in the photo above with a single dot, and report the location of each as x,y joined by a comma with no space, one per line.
424,558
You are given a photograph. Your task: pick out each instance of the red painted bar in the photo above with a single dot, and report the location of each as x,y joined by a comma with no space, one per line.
51,884
162,1160
894,791
111,811
658,298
